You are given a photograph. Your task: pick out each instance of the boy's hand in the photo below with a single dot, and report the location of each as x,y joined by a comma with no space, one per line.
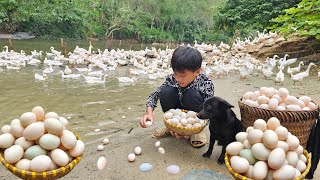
145,118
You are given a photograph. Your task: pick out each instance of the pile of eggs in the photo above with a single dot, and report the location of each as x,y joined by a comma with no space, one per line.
39,142
267,151
273,99
183,119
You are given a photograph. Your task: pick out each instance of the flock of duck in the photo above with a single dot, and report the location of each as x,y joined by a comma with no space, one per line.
219,60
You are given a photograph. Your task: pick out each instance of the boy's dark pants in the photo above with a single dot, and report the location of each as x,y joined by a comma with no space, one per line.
169,99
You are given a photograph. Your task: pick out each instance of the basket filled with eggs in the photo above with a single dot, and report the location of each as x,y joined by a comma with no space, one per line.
183,122
39,146
297,114
267,150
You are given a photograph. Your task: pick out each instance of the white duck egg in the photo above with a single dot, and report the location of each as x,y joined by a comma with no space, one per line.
239,164
6,140
273,123
39,112
260,170
102,162
293,142
177,112
283,92
278,97
161,150
300,103
189,126
255,136
264,106
54,126
183,122
303,158
254,104
174,121
305,109
255,95
270,139
157,144
34,131
23,164
100,147
301,166
312,106
148,124
64,121
260,124
263,99
263,90
131,157
40,163
196,125
269,92
168,115
241,136
137,150
25,144
299,150
276,158
283,145
293,107
281,108
78,149
247,95
191,120
297,173
5,129
282,133
285,172
234,148
202,122
249,129
290,100
106,141
49,141
247,154
27,118
191,114
260,151
292,158
34,151
305,99
59,157
172,110
13,154
53,115
16,129
246,144
68,139
249,173
183,115
273,103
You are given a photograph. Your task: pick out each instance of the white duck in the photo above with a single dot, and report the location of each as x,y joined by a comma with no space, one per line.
67,70
39,77
126,79
286,62
295,69
69,76
94,80
266,72
299,77
48,70
280,76
58,53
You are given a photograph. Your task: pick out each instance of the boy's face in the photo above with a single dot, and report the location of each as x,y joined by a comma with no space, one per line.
184,78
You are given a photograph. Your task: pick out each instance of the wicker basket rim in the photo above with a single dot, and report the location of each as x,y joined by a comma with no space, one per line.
239,176
55,172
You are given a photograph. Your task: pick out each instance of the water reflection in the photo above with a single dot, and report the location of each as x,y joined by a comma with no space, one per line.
111,107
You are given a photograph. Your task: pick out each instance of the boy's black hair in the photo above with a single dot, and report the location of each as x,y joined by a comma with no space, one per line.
186,58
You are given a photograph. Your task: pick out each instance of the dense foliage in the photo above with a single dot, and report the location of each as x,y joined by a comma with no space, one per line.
156,20
302,20
249,16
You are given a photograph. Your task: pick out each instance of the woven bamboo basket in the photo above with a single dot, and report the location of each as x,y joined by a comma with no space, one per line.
299,123
241,177
185,131
53,174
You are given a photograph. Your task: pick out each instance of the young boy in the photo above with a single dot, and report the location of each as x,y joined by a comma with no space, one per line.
186,89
